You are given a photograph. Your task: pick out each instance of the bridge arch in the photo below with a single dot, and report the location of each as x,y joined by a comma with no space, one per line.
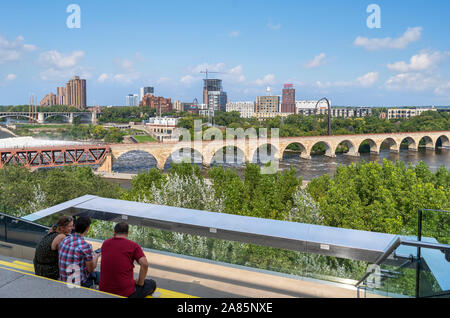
368,145
443,142
265,153
184,154
298,147
61,115
352,150
409,143
228,155
390,144
426,142
134,161
329,150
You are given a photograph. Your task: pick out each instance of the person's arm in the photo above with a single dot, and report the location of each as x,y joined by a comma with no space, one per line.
91,258
58,239
143,271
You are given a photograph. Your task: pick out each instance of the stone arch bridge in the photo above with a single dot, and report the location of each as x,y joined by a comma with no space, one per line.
248,147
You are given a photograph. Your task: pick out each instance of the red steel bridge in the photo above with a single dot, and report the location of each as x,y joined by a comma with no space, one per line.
54,156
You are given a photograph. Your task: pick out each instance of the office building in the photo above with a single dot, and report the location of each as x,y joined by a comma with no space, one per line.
267,107
146,90
76,93
132,100
246,109
213,94
407,112
61,96
48,100
161,104
288,99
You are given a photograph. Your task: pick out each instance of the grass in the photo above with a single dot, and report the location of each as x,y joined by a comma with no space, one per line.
144,138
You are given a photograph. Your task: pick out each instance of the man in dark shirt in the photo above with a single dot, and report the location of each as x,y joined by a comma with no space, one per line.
117,266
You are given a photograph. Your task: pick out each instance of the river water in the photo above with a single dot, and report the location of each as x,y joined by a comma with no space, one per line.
135,162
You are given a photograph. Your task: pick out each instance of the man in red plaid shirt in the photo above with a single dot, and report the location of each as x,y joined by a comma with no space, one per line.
77,260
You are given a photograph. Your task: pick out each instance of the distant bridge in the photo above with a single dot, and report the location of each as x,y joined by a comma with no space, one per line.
43,116
54,156
250,148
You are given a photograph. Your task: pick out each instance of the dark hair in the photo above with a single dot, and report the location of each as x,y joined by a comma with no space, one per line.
82,223
121,228
62,222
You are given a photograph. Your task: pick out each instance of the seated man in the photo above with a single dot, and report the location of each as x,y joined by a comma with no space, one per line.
116,269
77,260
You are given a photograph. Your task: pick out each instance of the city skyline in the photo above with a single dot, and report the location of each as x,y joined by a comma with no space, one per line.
254,44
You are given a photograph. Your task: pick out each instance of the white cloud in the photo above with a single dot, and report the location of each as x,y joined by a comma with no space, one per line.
426,60
443,89
269,79
368,80
273,26
61,66
121,78
410,35
317,61
188,79
129,64
11,77
102,78
411,82
12,51
234,34
55,59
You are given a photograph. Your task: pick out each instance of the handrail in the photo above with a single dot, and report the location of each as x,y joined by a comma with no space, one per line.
399,241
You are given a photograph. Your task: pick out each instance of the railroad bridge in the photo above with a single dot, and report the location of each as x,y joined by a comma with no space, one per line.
250,148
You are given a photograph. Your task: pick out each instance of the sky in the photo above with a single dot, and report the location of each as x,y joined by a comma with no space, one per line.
393,54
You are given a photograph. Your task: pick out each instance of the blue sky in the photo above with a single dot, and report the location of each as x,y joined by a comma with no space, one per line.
323,47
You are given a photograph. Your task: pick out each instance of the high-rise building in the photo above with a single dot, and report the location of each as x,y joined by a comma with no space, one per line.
213,94
76,93
48,100
267,107
61,96
146,90
132,100
288,99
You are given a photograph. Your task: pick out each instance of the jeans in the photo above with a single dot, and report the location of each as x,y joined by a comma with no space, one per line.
144,291
92,279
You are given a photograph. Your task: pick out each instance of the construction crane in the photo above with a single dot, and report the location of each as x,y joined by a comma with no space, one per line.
206,72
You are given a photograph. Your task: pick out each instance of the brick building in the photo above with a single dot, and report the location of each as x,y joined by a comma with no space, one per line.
157,102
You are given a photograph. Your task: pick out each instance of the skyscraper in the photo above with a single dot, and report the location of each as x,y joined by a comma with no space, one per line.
146,90
213,94
76,93
61,96
288,99
132,100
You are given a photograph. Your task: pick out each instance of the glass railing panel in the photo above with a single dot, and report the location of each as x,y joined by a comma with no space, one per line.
255,256
23,233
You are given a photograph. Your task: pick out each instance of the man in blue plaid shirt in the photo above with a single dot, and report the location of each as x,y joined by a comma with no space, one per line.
77,260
